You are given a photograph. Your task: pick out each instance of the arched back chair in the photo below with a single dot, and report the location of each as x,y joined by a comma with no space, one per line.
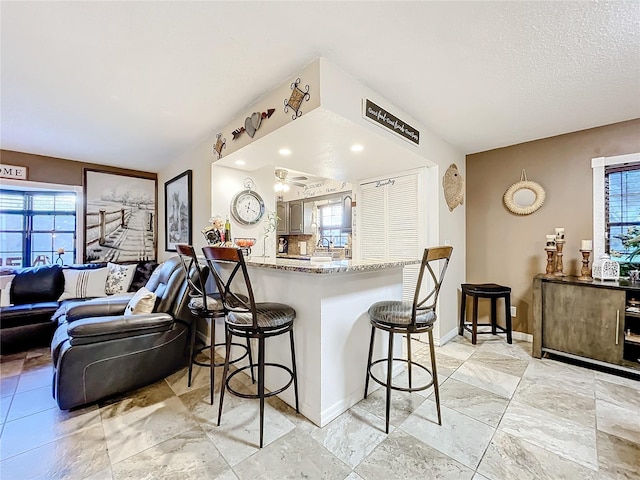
406,318
207,305
248,319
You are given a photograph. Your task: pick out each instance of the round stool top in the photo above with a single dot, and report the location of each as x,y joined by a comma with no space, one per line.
486,288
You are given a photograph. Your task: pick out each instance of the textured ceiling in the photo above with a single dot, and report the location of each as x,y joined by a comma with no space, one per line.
135,84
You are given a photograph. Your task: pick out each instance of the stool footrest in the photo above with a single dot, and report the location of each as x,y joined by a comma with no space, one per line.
256,395
468,328
396,387
219,364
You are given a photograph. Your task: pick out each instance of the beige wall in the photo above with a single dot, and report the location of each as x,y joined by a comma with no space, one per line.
508,249
58,170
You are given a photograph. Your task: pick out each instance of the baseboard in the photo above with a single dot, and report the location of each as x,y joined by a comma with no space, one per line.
524,337
438,342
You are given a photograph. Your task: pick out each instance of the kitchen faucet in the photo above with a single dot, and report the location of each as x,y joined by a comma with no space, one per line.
328,242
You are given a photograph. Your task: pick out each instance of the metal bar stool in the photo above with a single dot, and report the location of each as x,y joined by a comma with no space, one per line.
492,291
403,317
204,305
248,319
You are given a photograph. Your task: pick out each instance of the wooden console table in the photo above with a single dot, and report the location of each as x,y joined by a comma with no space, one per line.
596,322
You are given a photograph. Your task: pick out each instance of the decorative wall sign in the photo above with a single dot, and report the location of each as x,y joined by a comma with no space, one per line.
296,98
252,123
453,185
381,117
219,145
13,171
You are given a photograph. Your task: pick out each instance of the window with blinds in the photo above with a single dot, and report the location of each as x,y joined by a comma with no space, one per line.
622,212
37,227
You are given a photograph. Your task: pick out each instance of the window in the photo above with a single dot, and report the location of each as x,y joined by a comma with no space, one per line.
35,226
622,211
331,224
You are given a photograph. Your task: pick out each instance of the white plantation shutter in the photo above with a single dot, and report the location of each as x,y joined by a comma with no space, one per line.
371,222
397,205
402,218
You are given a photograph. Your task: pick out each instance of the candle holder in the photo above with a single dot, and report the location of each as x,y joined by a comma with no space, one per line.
550,264
60,260
585,273
559,265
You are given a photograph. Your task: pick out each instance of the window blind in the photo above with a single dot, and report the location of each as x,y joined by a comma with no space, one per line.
622,205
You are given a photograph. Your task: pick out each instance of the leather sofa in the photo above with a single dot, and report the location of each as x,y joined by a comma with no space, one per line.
97,351
31,319
34,294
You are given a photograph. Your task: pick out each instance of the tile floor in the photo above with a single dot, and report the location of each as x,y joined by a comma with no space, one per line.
505,416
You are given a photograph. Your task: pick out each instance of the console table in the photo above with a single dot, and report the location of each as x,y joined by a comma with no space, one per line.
596,322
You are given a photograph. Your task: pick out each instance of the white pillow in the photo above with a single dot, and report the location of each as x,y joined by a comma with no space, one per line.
5,280
119,278
142,302
5,299
84,283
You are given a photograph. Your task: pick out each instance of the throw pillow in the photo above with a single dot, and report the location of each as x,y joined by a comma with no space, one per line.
84,283
5,297
118,278
142,302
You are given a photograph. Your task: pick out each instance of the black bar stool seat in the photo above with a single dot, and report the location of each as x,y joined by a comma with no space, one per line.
493,291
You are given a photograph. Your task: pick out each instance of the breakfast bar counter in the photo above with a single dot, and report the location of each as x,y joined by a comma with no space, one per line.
325,267
331,329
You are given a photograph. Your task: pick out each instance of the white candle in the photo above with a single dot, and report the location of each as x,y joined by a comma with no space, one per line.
551,241
560,233
586,245
60,251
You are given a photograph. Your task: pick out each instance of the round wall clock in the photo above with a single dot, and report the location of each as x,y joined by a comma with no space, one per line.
247,206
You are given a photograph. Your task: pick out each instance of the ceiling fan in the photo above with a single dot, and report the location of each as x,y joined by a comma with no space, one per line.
283,180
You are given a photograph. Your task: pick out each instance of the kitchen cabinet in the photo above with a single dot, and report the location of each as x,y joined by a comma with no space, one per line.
296,217
301,217
282,210
584,320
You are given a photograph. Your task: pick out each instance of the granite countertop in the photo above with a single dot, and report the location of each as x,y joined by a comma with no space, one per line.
335,266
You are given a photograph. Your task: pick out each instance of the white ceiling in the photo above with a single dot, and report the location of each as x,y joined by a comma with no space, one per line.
135,84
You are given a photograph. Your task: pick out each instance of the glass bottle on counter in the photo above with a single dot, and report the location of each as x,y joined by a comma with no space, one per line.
227,231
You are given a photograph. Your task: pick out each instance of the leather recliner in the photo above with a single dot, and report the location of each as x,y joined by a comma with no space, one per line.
97,351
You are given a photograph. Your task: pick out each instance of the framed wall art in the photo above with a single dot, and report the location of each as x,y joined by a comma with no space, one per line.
120,217
177,211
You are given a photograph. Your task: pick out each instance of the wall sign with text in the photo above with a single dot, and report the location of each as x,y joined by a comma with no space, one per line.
385,119
13,171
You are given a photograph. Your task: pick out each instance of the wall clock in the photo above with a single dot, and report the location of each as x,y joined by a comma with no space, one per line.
247,206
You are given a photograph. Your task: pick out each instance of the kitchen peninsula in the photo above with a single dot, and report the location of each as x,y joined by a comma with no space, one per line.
331,329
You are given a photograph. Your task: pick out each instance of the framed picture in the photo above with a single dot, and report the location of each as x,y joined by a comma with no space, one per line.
177,211
120,217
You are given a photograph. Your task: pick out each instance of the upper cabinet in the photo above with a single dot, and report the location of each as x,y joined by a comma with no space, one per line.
282,210
296,217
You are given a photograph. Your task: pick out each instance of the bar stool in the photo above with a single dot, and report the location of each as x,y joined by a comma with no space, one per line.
204,305
485,290
403,317
248,319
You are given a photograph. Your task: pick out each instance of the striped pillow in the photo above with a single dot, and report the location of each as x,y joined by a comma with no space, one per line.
84,283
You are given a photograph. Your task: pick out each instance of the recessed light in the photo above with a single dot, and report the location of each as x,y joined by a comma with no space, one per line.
284,151
357,148
240,162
